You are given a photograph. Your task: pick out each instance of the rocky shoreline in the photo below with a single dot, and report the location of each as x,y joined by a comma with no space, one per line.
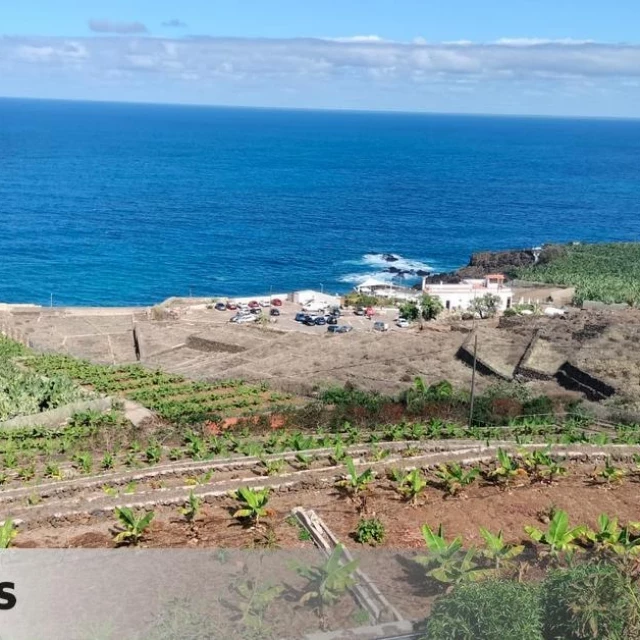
505,262
480,264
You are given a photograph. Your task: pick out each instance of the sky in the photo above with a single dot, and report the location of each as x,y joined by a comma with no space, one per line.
546,57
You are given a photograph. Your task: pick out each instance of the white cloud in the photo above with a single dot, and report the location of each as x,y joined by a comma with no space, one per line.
532,42
360,54
312,68
371,38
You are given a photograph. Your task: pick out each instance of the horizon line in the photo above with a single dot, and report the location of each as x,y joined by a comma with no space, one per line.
323,109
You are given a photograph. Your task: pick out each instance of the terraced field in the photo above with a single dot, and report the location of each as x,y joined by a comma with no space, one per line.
171,396
24,393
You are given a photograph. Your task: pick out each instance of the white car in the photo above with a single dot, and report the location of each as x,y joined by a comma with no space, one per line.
313,308
243,318
403,323
265,303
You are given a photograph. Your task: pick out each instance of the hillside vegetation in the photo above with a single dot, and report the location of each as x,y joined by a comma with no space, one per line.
609,273
24,392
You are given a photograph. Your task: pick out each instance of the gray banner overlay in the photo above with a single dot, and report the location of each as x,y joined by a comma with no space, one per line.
131,594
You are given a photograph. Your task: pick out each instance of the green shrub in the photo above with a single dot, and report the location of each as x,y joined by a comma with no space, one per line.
369,531
593,601
491,610
538,406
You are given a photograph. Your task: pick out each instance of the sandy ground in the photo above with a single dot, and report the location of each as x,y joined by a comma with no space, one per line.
201,343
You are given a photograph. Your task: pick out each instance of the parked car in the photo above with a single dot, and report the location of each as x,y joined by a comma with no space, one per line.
313,307
256,312
300,317
254,304
332,328
243,318
220,306
359,311
310,321
345,328
380,326
265,303
335,312
276,302
403,323
232,306
332,320
320,320
275,312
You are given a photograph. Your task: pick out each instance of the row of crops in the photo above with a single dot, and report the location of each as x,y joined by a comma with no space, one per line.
23,392
609,273
173,397
96,442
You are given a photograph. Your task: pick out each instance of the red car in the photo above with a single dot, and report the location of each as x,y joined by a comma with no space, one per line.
254,304
276,302
232,306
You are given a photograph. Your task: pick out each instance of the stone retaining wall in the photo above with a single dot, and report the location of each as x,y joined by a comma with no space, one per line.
465,354
575,379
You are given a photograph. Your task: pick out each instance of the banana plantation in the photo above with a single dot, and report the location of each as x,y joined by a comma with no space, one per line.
609,273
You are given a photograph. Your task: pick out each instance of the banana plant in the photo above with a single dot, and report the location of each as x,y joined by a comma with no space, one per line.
8,531
507,468
559,538
540,465
448,562
304,461
52,470
412,485
339,453
353,482
611,536
610,473
327,583
133,526
254,599
192,507
273,467
500,553
254,504
455,478
108,461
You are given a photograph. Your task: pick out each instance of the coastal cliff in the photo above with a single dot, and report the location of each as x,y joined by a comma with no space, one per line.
506,262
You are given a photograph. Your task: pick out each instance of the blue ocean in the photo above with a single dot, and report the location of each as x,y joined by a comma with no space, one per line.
121,204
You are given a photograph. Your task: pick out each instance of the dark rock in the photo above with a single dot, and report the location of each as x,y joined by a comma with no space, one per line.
389,257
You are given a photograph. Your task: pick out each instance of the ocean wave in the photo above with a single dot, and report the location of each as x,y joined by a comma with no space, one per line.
359,278
398,262
388,267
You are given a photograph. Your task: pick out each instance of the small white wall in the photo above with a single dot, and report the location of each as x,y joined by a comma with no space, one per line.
462,299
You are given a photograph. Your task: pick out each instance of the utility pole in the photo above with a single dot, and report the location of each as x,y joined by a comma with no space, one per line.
51,301
473,379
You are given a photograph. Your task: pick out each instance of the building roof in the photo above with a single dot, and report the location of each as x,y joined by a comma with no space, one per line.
372,282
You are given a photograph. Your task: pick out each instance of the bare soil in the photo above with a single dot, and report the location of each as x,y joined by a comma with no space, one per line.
481,505
391,565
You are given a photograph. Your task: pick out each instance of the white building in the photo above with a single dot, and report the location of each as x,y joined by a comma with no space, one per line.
319,298
460,296
383,289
